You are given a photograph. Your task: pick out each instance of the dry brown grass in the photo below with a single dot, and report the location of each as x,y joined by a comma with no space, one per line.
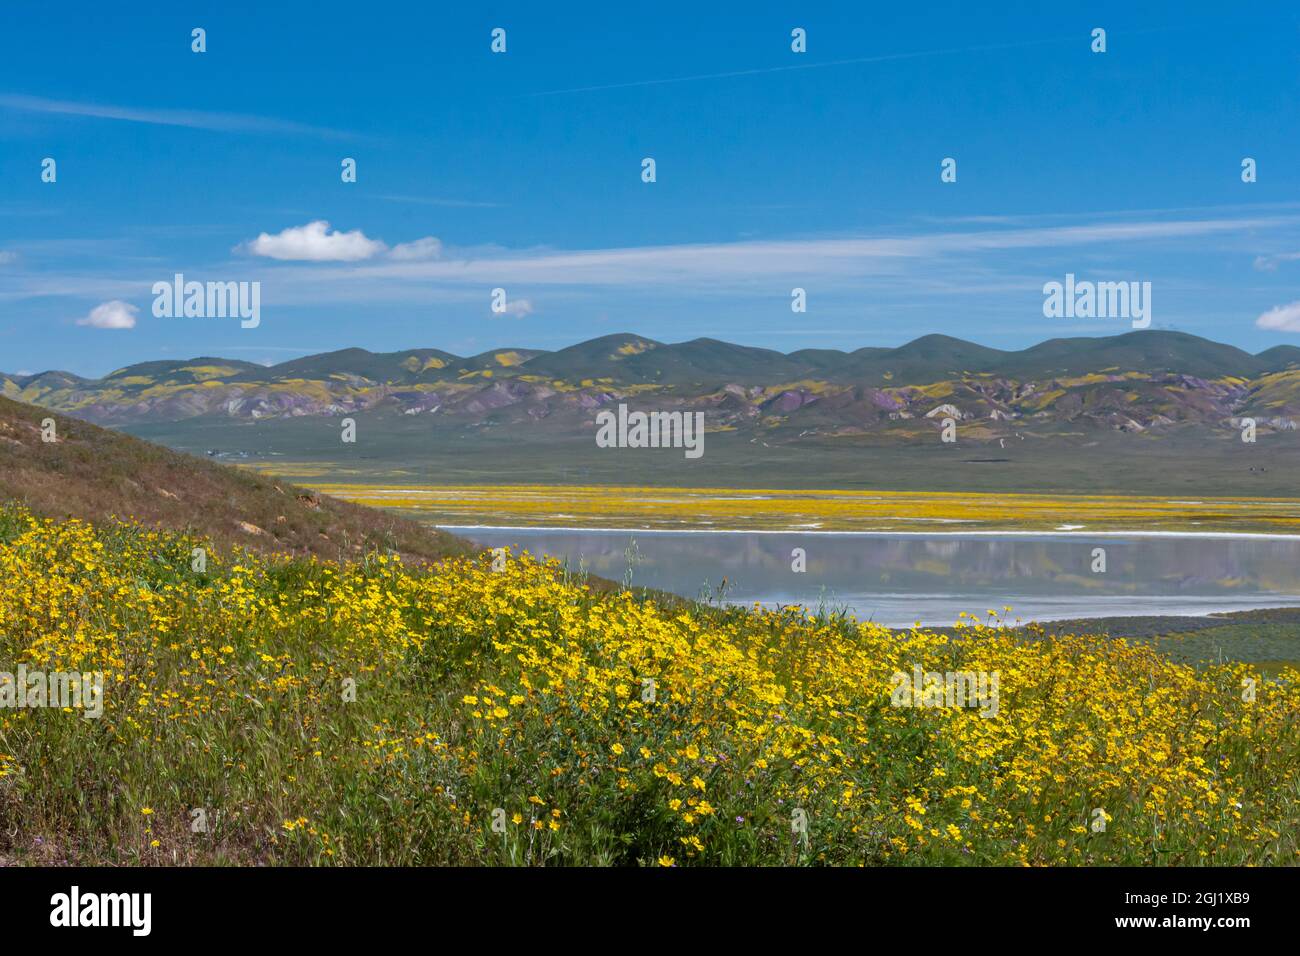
94,474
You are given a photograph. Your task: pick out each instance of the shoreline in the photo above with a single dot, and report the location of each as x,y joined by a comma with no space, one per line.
1239,535
1114,620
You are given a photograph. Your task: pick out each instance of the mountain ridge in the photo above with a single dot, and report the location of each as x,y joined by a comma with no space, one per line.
1143,381
1274,358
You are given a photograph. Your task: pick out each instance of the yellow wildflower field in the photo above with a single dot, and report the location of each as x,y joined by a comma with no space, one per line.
596,506
261,710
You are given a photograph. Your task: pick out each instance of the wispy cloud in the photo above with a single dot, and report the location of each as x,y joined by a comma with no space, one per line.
906,269
441,201
310,350
697,265
36,285
1270,263
420,249
192,119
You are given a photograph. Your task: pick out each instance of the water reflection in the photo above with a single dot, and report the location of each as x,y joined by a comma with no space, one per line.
897,580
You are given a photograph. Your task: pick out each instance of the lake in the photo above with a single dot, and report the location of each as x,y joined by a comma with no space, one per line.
897,580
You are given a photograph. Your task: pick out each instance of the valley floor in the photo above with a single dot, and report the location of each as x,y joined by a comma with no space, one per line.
718,509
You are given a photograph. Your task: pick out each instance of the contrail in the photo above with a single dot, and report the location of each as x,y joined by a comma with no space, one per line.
192,119
804,66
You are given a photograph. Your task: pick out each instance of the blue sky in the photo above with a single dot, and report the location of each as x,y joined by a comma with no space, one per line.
522,171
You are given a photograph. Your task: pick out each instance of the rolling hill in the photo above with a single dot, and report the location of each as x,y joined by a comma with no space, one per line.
93,473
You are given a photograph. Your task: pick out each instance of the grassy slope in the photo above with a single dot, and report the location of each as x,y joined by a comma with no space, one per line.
518,698
94,473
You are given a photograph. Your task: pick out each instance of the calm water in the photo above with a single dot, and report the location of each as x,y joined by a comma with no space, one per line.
899,579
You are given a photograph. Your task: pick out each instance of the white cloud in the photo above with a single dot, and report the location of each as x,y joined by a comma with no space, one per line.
426,248
315,242
518,308
6,257
1282,318
111,315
